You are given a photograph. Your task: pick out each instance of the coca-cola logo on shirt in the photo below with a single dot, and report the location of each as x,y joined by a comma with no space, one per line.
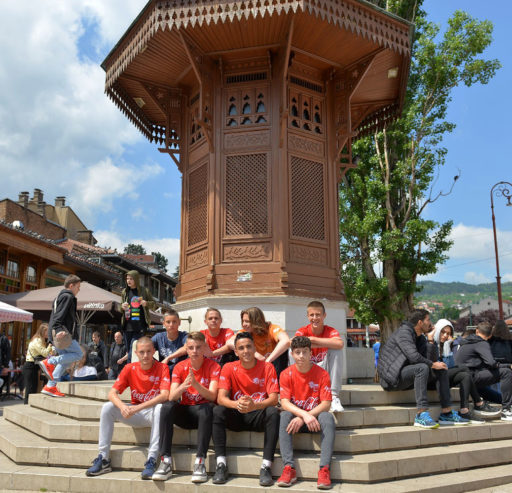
140,397
307,404
256,397
318,358
258,381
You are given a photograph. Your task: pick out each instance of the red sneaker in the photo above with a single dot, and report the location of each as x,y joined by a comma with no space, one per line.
52,391
288,477
46,368
324,479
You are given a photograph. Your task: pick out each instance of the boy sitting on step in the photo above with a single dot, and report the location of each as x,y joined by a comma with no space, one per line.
193,393
326,344
149,384
305,400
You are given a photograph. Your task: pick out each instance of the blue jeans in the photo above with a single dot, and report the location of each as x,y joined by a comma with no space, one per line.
63,361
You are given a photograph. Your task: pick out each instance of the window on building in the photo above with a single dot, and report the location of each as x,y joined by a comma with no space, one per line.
155,288
31,274
13,268
3,260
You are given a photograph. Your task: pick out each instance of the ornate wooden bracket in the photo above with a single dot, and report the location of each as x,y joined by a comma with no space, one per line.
346,83
283,109
203,68
171,103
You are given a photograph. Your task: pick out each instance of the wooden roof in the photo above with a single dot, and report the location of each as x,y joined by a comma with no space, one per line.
326,34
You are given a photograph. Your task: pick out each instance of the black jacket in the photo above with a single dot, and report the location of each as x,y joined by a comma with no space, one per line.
501,349
5,351
63,315
403,348
475,353
101,351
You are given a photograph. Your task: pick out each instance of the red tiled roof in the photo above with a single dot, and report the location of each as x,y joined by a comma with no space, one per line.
148,259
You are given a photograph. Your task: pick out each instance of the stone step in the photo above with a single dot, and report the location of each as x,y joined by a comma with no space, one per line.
363,440
24,447
350,395
353,417
14,477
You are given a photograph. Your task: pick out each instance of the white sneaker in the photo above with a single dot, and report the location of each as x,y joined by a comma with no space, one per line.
506,414
336,406
164,471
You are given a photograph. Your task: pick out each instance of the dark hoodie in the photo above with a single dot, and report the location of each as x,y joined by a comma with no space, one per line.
63,316
141,291
475,353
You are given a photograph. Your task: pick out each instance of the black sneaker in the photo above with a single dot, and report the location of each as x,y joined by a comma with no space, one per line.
485,410
266,476
472,417
221,474
99,466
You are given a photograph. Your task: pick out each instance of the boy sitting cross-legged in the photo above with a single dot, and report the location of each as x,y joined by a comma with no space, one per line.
306,400
194,385
149,385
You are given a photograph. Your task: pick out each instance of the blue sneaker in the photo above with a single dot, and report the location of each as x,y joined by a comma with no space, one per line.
452,418
99,466
424,420
149,468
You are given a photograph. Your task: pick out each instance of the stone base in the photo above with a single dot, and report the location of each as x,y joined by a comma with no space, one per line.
288,312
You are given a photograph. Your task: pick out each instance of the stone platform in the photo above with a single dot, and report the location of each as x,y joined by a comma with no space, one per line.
49,444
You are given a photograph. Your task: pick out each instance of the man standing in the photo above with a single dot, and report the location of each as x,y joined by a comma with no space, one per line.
248,391
326,344
136,303
306,400
403,364
193,393
117,356
149,385
97,348
62,333
5,357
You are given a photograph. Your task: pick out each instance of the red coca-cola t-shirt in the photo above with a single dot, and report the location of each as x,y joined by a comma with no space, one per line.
209,372
305,390
144,384
318,354
258,382
219,341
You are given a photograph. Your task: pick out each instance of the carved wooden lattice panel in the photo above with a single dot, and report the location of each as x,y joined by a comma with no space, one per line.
247,106
307,197
306,113
246,195
197,205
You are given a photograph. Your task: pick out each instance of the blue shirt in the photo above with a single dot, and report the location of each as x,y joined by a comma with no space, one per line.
165,347
376,349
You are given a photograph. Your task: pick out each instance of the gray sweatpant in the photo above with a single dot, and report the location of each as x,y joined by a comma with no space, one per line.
332,365
147,417
328,431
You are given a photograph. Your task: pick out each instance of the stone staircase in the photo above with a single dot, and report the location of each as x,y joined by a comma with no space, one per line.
49,444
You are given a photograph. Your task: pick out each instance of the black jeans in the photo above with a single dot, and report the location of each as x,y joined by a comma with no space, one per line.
460,376
198,417
266,420
30,378
129,338
418,377
485,377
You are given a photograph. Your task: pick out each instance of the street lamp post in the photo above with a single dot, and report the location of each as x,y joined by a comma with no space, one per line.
500,189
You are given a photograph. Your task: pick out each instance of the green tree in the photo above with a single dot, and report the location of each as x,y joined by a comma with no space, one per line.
161,261
385,243
134,249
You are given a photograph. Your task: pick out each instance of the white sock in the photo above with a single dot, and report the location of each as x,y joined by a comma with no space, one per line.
166,459
266,463
199,460
221,460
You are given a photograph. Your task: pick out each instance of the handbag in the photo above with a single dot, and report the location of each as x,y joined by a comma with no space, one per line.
37,358
64,342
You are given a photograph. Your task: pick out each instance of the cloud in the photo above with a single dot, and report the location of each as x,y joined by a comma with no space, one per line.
57,123
472,242
168,247
476,278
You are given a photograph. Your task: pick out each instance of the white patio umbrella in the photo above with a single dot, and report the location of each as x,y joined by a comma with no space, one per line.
9,313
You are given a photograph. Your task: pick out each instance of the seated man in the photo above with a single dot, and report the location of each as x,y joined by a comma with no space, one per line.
171,343
193,392
149,385
217,338
306,400
326,345
248,392
403,364
475,353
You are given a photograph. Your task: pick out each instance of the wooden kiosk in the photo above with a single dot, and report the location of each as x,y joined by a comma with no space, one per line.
256,102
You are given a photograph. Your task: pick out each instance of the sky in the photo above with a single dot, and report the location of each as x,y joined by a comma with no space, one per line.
60,133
